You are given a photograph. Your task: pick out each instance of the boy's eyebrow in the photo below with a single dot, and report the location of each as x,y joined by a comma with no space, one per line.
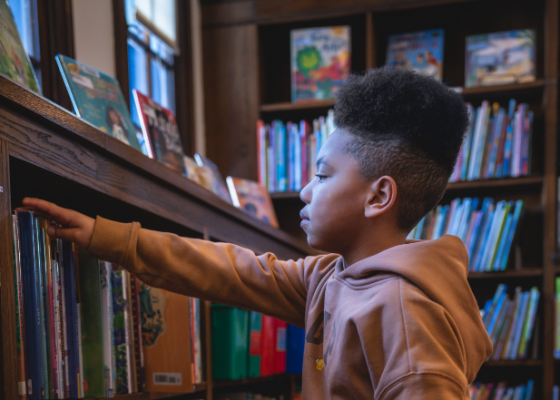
322,161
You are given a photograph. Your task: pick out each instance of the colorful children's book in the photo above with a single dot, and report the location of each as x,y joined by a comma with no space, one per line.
253,199
98,99
165,334
218,184
320,62
14,61
419,51
160,132
500,58
120,333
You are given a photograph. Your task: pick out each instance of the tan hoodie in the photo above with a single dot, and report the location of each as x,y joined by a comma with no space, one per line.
402,324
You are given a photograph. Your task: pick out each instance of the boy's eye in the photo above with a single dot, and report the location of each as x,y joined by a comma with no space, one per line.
321,177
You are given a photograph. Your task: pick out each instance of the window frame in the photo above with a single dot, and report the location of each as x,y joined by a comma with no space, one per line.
182,67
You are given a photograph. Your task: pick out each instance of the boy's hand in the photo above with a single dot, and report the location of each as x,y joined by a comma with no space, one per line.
76,227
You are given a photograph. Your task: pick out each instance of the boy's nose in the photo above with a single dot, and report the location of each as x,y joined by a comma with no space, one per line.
305,194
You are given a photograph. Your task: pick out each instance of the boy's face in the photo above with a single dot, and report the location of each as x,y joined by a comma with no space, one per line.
335,199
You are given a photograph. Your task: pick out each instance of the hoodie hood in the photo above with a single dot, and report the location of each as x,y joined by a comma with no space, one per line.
439,268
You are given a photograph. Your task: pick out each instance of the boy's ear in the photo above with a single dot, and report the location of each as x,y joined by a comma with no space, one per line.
382,196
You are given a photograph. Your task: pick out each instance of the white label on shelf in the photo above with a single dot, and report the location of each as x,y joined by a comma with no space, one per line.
167,378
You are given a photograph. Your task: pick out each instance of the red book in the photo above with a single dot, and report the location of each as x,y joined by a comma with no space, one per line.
280,330
268,345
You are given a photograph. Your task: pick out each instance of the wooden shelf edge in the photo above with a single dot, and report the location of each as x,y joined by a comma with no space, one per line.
491,183
500,89
287,106
513,363
455,186
514,273
198,387
248,381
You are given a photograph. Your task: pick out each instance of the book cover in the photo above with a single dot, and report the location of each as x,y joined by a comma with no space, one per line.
529,323
216,179
14,61
98,99
419,51
253,199
267,346
71,317
167,353
320,62
518,328
500,58
106,305
280,337
137,331
90,281
160,132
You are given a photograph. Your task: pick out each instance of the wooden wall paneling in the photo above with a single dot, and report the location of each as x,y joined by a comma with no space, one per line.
216,13
550,188
8,355
371,52
56,36
231,98
184,91
121,47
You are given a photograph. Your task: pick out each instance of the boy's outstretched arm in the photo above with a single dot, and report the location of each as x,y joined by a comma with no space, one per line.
219,272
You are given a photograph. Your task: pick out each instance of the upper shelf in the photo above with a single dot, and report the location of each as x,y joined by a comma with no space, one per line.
467,92
43,134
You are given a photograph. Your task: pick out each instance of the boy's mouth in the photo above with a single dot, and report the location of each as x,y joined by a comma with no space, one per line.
304,218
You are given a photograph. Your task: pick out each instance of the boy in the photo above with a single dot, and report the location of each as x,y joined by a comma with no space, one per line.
385,318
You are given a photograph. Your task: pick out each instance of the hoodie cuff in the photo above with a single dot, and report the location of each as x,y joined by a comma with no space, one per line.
112,241
424,386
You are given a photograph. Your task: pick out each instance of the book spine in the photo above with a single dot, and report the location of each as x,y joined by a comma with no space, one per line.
511,329
20,316
32,305
468,142
71,324
39,256
519,326
502,244
64,320
137,330
106,321
506,171
304,151
526,146
511,234
529,323
119,331
271,157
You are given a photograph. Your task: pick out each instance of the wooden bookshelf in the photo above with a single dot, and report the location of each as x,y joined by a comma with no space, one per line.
514,363
47,152
252,81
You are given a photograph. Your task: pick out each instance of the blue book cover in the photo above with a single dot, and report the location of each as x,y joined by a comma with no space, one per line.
298,170
511,234
529,391
497,311
498,129
271,157
503,240
32,307
479,223
71,317
518,329
485,221
502,288
291,157
529,323
98,99
420,51
484,239
43,301
294,349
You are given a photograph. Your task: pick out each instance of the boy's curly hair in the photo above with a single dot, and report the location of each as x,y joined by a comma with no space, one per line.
407,126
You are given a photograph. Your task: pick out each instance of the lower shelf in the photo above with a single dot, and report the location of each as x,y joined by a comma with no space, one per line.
513,363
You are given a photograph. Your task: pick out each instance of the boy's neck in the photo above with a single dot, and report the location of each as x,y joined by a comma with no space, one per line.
368,248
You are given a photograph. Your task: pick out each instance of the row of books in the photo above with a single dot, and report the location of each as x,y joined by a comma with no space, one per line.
287,152
511,323
247,344
497,144
487,229
501,391
85,328
321,58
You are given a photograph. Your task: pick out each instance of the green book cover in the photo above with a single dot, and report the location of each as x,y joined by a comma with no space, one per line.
92,338
14,62
255,348
98,99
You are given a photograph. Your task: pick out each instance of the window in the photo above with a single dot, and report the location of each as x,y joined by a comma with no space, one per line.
25,14
151,51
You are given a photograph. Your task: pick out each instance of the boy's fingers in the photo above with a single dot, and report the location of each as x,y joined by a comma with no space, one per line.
49,210
71,235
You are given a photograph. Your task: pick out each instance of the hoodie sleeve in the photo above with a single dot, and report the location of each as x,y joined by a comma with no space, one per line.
423,354
219,272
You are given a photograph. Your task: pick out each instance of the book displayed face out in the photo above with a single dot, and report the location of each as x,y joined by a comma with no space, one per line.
14,61
98,99
320,62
